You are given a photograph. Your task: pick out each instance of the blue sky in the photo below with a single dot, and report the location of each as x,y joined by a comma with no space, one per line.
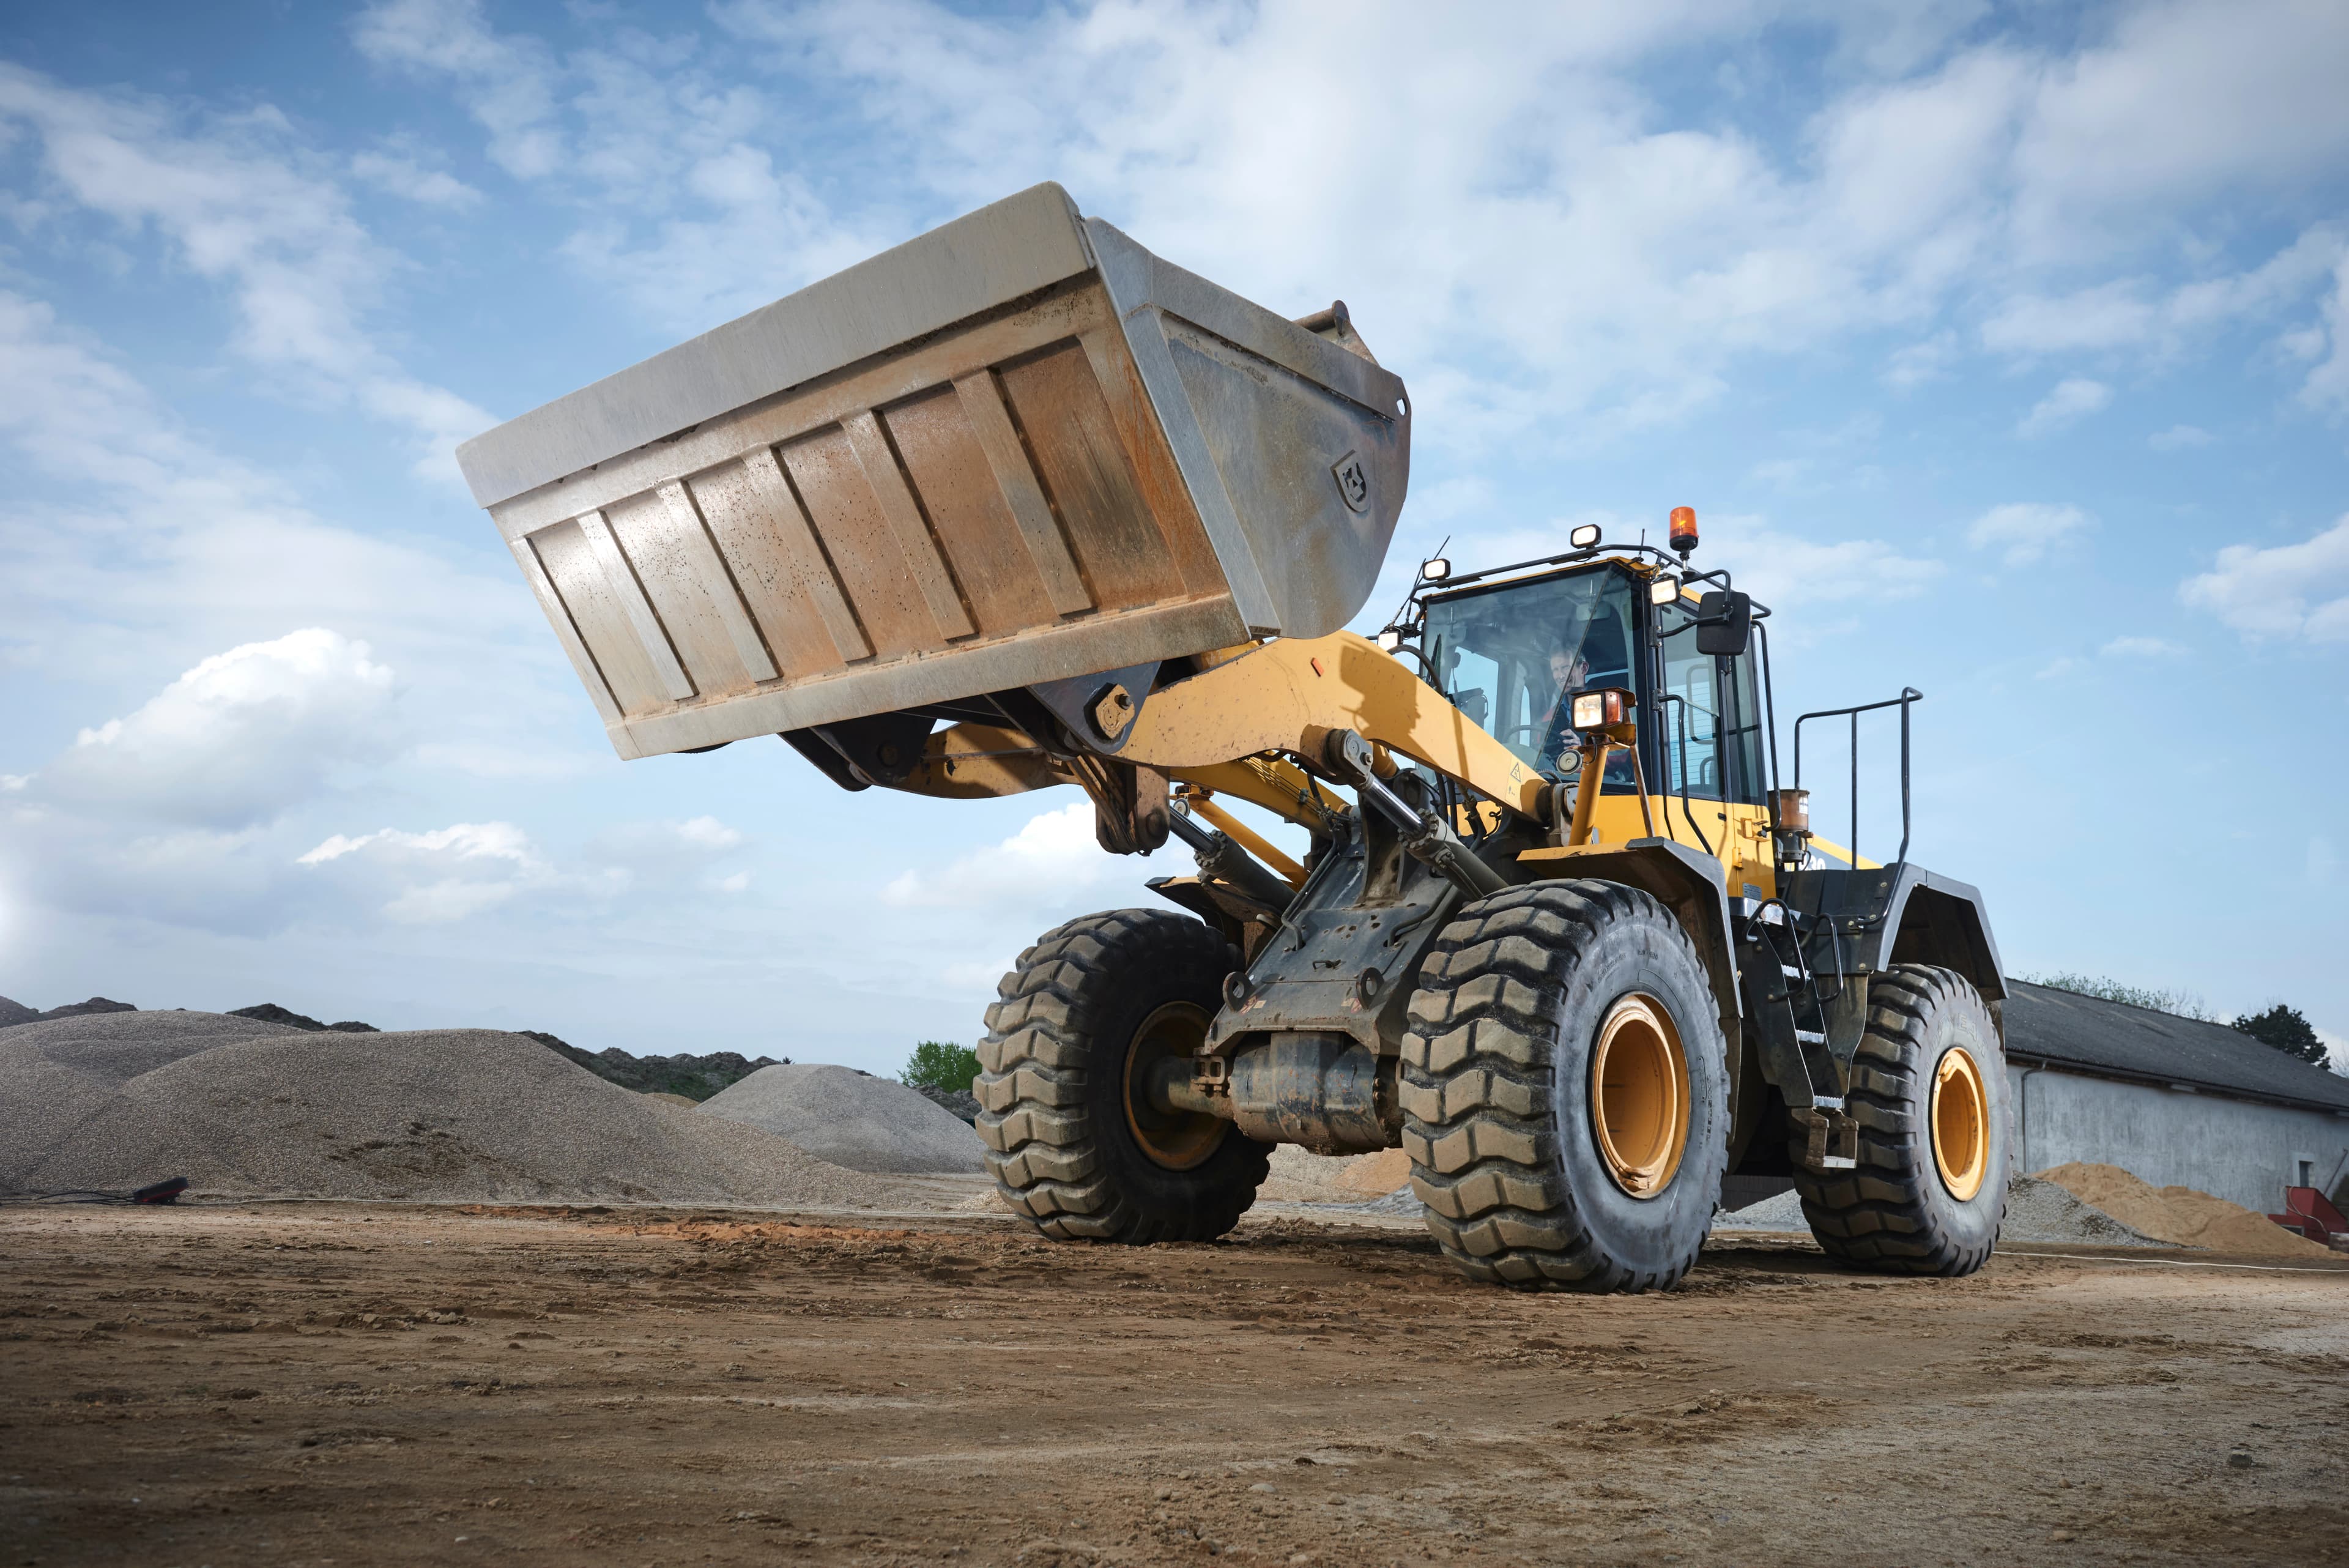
2003,350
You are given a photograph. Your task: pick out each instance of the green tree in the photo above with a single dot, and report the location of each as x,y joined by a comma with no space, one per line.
940,1064
2286,1030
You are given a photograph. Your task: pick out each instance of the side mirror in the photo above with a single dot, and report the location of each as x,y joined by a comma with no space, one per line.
1724,624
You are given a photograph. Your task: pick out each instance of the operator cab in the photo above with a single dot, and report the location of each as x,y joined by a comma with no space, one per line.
1500,649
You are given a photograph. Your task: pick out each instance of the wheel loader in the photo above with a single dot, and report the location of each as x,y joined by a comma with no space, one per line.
1019,505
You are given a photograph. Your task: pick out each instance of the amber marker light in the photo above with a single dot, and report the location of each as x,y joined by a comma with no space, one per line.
1683,530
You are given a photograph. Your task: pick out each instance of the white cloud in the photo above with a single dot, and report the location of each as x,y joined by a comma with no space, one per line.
237,740
1918,363
1789,571
404,177
130,550
507,81
2327,385
2179,438
2140,648
1055,851
161,550
1548,239
709,833
2179,102
2026,531
464,841
2283,591
448,874
2140,314
2072,400
238,210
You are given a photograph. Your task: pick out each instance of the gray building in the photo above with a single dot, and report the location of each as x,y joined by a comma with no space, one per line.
2178,1103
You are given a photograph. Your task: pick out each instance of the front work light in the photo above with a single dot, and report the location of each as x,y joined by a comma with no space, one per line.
1585,537
1602,709
1389,640
1436,571
1664,590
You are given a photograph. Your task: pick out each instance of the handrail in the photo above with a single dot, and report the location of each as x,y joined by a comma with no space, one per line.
1909,694
1690,815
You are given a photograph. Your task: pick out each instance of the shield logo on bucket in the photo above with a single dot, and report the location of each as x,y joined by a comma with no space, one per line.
1354,482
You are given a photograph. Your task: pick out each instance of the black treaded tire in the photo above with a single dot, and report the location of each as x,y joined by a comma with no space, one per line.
1051,1086
1495,1090
1894,1214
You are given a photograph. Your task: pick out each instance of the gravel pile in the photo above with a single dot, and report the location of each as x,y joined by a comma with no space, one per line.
850,1118
113,1048
13,1012
2039,1210
249,1109
2036,1210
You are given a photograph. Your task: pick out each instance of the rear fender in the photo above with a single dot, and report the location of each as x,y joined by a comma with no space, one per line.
1939,922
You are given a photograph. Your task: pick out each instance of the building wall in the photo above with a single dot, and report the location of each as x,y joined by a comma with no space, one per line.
2239,1150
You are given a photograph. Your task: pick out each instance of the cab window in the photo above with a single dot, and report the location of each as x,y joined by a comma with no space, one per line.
1710,737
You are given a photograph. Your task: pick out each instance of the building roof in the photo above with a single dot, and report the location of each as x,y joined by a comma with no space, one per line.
2114,1040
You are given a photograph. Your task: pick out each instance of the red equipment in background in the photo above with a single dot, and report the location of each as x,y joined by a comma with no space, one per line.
2312,1214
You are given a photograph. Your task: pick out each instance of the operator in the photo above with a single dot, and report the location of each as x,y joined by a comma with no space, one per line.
1569,669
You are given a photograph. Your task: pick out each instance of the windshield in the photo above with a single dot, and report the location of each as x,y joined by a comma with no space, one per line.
1503,655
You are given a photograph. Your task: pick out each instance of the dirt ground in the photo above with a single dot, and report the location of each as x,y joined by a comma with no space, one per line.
327,1384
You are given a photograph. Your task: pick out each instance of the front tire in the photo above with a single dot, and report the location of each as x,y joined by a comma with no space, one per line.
1073,1144
1928,1090
1565,1090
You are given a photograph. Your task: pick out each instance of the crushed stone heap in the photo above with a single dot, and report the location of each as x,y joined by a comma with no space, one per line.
250,1110
850,1118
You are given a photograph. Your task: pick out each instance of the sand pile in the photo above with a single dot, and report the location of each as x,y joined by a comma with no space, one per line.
2036,1210
1298,1177
850,1118
454,1115
2180,1215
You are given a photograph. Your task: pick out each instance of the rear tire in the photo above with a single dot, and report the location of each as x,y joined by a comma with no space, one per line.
1929,1193
1540,1164
1065,1146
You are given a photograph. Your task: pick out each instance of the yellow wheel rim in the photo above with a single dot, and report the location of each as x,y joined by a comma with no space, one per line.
1178,1140
1640,1095
1961,1119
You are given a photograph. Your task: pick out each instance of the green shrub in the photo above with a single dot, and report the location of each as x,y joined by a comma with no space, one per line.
940,1064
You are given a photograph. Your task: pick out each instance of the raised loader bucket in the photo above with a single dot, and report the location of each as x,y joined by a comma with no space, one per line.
1019,449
